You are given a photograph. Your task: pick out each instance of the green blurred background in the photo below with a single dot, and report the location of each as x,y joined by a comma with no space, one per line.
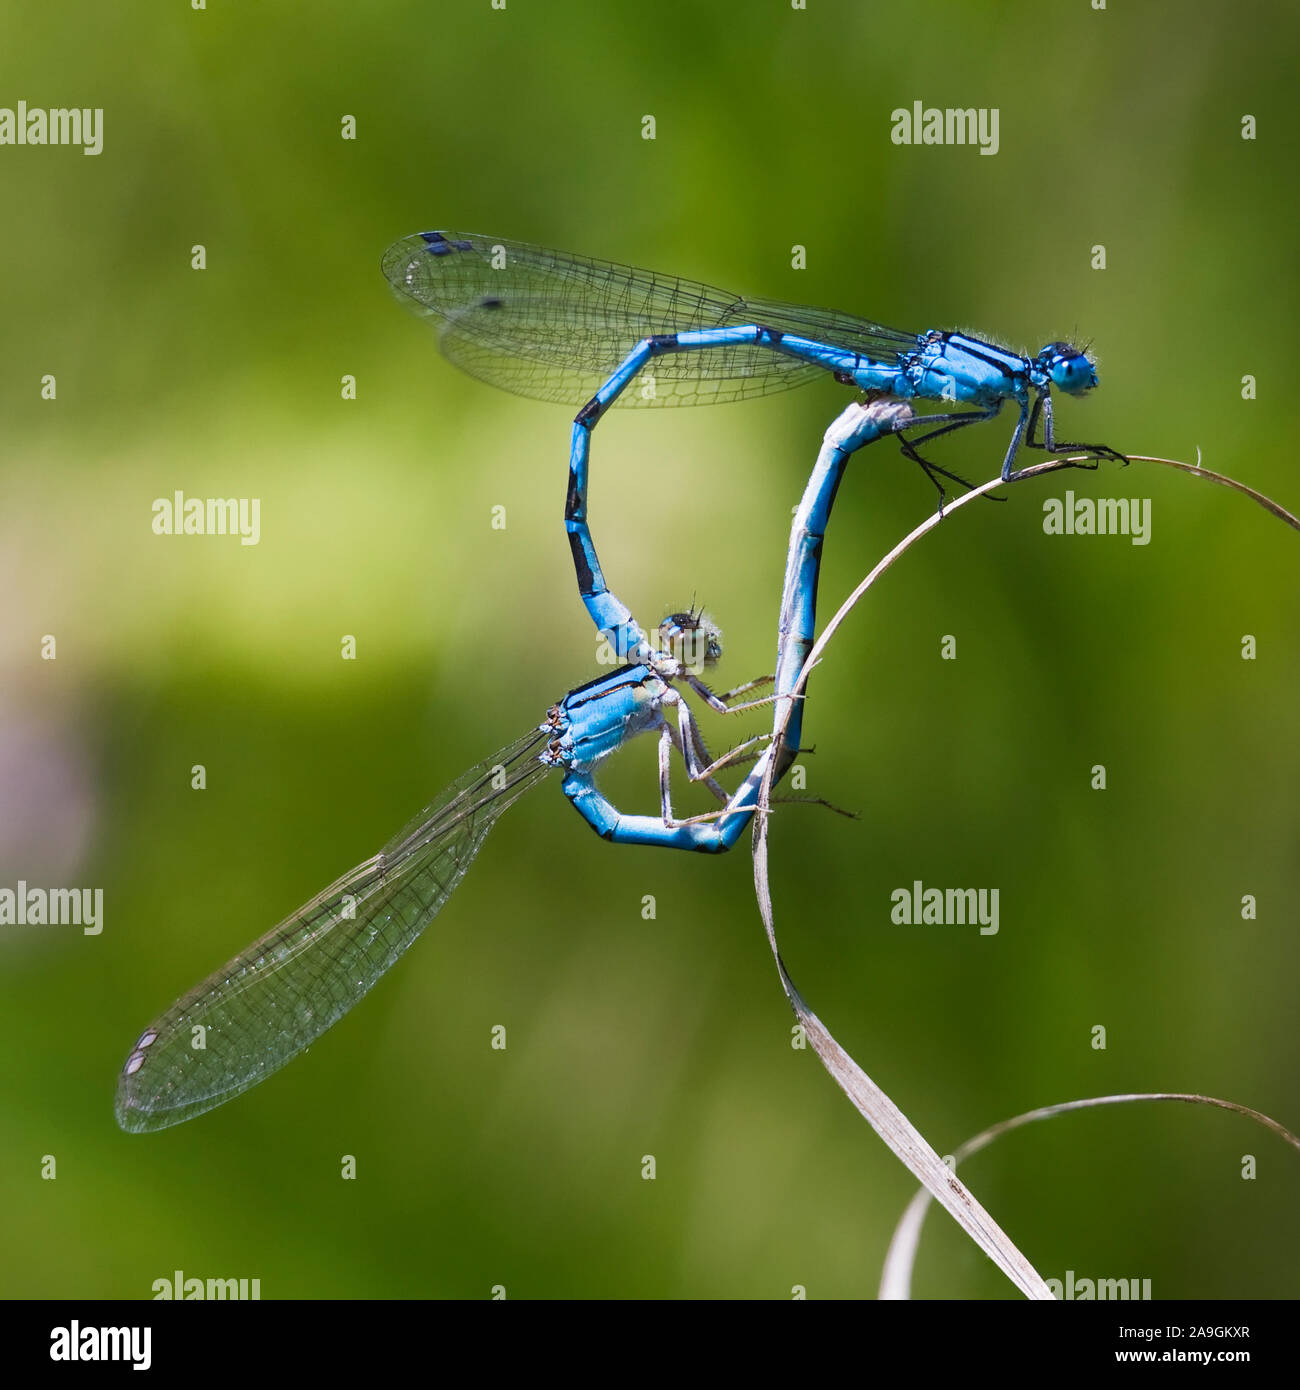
522,1168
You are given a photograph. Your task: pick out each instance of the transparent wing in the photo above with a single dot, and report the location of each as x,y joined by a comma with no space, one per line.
281,993
554,326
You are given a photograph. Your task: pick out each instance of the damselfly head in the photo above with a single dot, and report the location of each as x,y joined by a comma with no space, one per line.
692,637
1070,369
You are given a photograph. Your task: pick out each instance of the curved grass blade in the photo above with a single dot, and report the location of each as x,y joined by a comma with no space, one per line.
880,1112
896,1276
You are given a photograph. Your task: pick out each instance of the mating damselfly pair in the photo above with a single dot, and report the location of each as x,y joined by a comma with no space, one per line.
580,331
